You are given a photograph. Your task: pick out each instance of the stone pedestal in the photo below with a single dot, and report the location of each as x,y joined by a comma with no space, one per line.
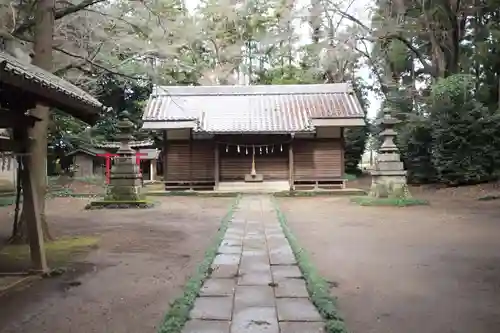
389,176
254,178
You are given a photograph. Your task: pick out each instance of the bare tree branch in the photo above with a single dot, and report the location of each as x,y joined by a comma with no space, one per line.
57,15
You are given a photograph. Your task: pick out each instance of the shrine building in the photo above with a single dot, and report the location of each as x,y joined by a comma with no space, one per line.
286,136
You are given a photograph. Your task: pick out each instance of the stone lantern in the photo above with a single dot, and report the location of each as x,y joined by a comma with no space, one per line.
389,176
125,180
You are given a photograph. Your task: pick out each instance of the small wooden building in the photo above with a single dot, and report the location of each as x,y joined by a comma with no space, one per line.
88,161
217,135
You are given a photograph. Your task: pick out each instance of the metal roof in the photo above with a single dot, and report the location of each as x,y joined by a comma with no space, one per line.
21,75
254,109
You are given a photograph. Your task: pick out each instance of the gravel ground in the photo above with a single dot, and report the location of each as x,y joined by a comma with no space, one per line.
429,269
142,263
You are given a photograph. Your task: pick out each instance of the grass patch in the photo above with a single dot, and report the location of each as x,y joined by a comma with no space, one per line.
318,288
193,194
319,193
115,204
489,197
58,251
179,311
350,176
394,202
7,201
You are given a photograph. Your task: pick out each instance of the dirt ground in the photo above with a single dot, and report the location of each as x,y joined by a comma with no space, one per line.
143,260
432,269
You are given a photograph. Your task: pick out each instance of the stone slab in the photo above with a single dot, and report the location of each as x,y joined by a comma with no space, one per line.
296,309
254,260
226,259
224,271
254,244
277,244
253,253
291,288
218,287
282,259
282,250
224,249
255,279
281,272
302,327
276,236
206,326
251,296
231,243
212,308
249,267
255,320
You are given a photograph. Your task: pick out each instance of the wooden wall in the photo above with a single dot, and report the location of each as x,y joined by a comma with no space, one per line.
272,168
190,160
318,159
194,160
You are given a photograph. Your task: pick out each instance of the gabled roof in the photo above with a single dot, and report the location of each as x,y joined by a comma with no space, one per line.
49,88
92,151
132,144
253,109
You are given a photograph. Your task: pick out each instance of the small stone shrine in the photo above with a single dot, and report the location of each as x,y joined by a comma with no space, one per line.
389,176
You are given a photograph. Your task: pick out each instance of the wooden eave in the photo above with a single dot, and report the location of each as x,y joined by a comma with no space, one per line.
48,89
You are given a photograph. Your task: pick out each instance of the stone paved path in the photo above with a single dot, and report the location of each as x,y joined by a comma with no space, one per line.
256,285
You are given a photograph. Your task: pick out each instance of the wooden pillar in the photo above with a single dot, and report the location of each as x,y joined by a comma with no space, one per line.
164,155
32,212
216,166
291,165
152,164
342,153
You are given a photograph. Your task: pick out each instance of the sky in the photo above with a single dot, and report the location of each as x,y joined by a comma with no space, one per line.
359,9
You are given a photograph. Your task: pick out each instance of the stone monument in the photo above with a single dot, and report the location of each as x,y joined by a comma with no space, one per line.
389,176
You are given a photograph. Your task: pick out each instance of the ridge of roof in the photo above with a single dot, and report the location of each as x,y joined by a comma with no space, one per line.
285,89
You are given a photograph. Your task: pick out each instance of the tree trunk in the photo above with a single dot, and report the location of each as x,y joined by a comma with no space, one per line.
44,29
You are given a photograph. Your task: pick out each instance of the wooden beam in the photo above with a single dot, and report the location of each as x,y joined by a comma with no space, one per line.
291,165
216,166
10,145
14,118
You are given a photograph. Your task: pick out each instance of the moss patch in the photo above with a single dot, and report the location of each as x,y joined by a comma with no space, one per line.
317,287
350,176
489,197
112,204
179,310
58,252
395,202
319,193
193,194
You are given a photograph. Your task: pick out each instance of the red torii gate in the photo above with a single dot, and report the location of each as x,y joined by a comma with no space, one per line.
109,156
